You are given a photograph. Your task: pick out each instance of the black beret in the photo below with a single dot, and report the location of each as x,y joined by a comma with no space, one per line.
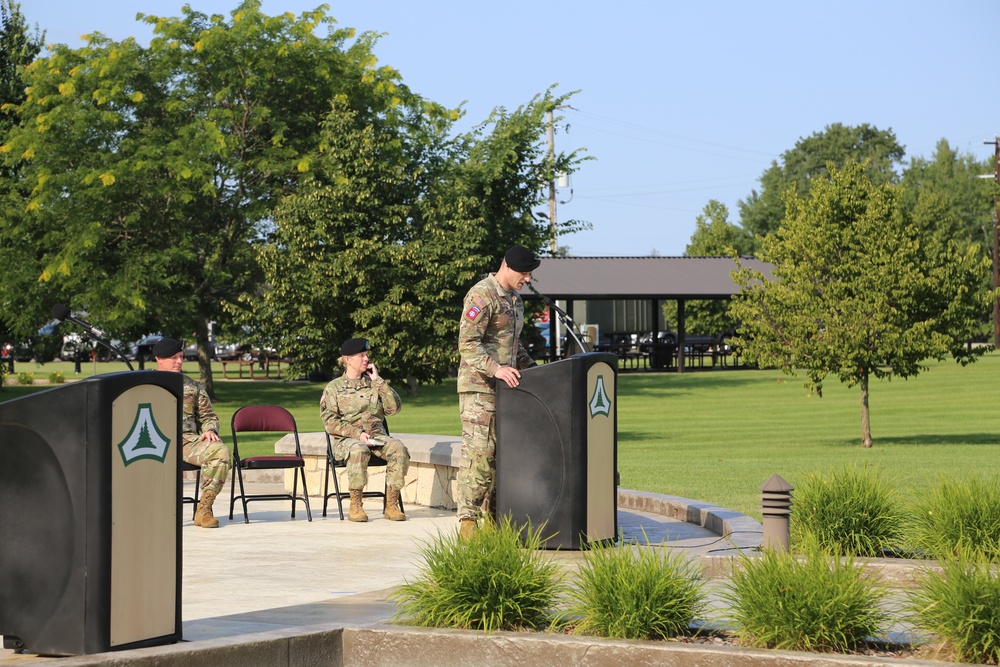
353,346
167,347
521,259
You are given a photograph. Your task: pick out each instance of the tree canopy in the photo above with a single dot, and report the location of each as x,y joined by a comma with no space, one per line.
762,212
192,181
387,235
856,292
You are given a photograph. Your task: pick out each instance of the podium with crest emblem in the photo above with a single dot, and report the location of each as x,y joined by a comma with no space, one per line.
557,450
90,510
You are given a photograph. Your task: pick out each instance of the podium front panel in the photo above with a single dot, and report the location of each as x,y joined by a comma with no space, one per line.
556,457
78,528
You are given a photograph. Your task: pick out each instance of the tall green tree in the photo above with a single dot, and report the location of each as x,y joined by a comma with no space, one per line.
154,171
855,293
714,236
18,47
394,225
762,212
947,197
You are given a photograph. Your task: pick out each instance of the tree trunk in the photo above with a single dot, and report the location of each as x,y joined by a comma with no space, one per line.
204,358
411,385
866,424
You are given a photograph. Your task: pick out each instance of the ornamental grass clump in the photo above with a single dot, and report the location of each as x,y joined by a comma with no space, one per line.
959,517
851,511
496,580
813,602
635,592
960,605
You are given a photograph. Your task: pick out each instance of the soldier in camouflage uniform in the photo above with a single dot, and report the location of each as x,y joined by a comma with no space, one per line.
353,408
488,343
202,444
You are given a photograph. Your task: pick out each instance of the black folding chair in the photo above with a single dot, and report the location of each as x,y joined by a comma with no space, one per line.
333,463
193,499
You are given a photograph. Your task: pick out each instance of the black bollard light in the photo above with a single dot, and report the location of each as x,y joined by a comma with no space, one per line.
776,508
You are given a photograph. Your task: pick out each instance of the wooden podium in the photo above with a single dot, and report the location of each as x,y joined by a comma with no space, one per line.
90,513
557,450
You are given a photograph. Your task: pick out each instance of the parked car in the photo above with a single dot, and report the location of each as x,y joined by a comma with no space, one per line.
145,346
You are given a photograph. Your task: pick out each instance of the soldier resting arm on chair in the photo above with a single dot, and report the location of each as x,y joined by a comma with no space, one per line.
353,408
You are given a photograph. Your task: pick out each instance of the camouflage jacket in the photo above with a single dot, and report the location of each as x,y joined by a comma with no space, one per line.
488,335
352,407
199,415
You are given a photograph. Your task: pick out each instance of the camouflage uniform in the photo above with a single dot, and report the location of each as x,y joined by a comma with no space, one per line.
198,417
487,339
352,407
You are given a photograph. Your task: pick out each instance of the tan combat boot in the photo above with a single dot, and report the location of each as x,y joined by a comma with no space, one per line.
203,515
392,511
467,528
357,510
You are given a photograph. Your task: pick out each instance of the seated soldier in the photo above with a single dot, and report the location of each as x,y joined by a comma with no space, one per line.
353,408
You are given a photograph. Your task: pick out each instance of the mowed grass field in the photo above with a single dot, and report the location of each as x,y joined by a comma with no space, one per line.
717,435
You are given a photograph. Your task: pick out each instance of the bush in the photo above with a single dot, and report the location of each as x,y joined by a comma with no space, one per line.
497,580
959,517
57,377
961,605
851,511
25,377
635,593
820,603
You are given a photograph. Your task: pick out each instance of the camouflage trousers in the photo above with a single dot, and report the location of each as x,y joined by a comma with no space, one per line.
357,455
213,457
476,490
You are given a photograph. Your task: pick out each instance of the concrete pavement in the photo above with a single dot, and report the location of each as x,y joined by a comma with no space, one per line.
277,573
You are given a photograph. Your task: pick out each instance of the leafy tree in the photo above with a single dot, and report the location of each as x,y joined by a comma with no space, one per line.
948,199
18,47
762,212
714,236
394,225
154,172
855,293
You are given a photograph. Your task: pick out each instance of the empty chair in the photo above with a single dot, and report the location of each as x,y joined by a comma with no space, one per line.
270,419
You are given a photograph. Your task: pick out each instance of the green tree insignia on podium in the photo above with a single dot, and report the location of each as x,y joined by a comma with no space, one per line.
144,439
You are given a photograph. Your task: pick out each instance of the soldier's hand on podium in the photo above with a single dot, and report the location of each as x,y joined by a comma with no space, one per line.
510,375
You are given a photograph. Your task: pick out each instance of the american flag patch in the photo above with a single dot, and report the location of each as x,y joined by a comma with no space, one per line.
473,312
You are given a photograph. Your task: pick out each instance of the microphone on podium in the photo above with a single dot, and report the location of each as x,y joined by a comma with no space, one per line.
62,313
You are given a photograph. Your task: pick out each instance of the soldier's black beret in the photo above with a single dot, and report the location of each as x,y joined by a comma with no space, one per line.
521,259
167,347
354,346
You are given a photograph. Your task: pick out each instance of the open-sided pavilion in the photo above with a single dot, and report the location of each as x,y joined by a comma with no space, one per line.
650,279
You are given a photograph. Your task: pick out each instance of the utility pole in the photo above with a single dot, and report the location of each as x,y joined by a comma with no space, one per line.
996,238
552,183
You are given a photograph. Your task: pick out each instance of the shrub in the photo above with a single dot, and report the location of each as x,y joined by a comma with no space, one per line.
959,517
57,377
497,580
635,593
851,511
25,377
822,602
961,605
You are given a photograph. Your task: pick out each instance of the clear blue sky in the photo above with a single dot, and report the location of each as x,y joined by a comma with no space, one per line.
679,102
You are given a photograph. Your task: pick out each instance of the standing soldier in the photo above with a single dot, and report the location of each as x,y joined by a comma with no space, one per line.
488,343
202,444
353,407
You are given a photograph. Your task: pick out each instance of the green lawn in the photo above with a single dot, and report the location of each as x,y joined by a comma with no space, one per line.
716,436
